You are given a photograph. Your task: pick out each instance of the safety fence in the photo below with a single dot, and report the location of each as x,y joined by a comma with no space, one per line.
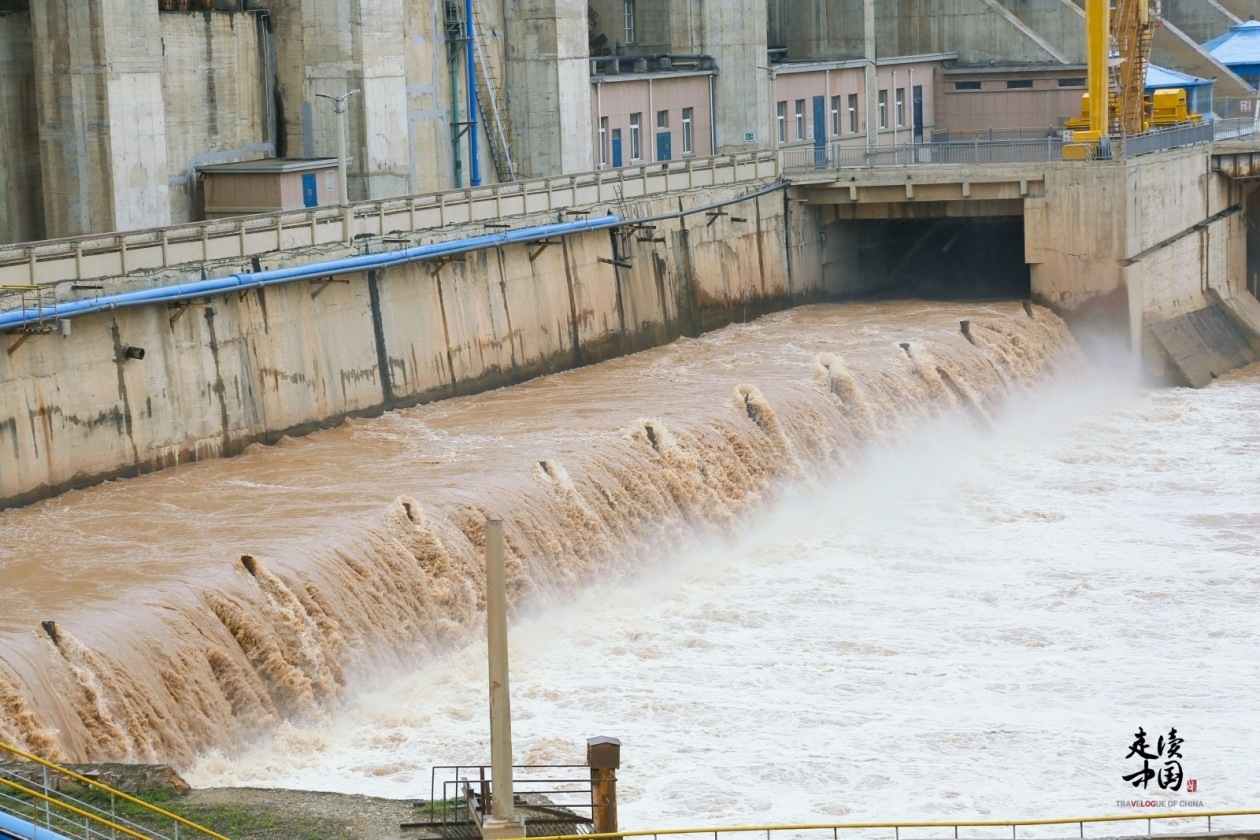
557,798
1182,824
976,148
837,156
41,799
243,237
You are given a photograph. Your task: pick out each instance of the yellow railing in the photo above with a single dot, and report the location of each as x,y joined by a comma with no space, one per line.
66,806
896,827
106,789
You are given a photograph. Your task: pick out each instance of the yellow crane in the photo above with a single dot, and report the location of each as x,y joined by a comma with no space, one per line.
1118,36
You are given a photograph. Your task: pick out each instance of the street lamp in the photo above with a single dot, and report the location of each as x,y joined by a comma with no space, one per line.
339,105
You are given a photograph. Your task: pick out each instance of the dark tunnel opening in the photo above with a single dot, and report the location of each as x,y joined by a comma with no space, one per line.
935,259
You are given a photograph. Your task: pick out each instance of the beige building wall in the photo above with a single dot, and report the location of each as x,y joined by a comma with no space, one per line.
1002,99
617,99
837,84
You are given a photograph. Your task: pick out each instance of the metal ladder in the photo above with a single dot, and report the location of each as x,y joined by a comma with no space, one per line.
1133,40
490,92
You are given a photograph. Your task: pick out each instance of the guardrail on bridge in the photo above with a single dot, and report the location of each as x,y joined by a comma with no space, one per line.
977,148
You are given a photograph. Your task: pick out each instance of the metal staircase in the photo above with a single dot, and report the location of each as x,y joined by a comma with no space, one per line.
1133,25
43,800
494,108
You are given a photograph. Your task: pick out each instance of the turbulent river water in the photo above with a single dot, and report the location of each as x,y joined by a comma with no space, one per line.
803,573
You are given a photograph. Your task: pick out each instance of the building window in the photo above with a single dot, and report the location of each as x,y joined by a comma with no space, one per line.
329,183
603,141
901,106
1078,82
688,139
1018,84
853,113
662,120
835,116
628,11
781,112
966,86
883,109
800,119
636,137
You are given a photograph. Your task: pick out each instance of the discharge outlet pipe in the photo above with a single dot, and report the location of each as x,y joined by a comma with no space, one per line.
277,276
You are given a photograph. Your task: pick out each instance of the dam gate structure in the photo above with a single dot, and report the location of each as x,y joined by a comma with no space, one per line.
207,371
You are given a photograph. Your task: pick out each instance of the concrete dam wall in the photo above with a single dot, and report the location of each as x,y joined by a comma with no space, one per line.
246,367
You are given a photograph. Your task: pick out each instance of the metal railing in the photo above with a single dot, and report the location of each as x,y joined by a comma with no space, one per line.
460,794
1170,138
242,237
1009,829
838,156
990,135
1233,128
36,797
978,148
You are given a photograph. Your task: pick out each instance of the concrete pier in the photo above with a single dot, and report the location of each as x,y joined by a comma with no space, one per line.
102,121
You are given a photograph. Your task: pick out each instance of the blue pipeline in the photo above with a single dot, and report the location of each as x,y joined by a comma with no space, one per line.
241,282
474,165
11,826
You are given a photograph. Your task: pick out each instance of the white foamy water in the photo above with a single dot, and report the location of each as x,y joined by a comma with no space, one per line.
971,624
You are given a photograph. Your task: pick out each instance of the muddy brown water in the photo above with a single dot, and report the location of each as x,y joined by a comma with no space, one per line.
154,618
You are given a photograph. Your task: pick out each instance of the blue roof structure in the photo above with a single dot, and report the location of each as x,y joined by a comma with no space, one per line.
1240,45
1161,77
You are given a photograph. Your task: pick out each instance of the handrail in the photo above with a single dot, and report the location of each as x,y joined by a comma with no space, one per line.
105,788
68,807
174,247
715,830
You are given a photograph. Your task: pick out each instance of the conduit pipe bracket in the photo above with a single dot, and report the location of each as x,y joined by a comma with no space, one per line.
441,262
324,284
23,338
182,307
542,246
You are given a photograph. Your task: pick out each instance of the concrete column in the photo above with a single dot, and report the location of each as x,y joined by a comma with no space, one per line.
102,124
334,46
503,823
872,73
549,85
383,139
21,201
735,35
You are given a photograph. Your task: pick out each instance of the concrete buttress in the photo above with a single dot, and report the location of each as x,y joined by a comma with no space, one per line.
102,124
334,47
549,85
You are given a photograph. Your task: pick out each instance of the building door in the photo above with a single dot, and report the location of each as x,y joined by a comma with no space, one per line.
820,131
664,145
916,113
616,147
310,190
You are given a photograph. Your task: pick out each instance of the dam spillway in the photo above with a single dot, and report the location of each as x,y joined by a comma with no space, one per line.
261,587
960,547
